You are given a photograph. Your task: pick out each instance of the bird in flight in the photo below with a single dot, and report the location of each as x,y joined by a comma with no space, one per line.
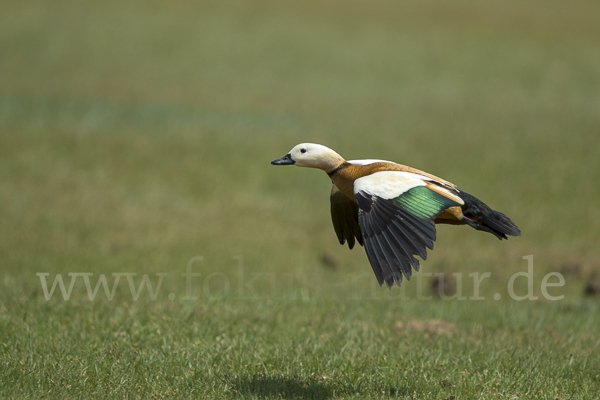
392,209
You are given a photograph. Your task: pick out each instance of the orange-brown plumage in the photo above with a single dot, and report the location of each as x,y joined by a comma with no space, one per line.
392,209
344,177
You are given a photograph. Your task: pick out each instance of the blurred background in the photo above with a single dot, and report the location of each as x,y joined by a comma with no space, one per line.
137,135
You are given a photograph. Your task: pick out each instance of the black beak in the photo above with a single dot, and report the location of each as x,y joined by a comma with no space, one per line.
285,160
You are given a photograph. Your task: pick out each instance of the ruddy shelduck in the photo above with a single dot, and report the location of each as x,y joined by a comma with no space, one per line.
392,209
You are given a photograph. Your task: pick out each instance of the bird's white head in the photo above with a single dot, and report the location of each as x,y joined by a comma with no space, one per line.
311,155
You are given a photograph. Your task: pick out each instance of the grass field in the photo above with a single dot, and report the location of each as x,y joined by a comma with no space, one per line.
136,136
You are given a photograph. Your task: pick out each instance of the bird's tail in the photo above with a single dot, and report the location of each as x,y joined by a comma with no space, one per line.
481,217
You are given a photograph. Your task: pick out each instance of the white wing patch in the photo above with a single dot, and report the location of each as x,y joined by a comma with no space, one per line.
388,184
367,162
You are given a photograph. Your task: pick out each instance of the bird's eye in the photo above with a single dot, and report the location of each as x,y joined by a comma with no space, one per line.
302,151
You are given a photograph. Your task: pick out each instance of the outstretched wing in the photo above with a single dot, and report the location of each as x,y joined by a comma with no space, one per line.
396,217
344,215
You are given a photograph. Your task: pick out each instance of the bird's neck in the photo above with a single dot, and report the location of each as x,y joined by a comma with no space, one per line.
332,163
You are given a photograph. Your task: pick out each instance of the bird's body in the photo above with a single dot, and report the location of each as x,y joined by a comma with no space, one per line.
392,209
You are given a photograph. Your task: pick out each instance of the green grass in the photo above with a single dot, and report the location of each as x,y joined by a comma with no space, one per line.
137,135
